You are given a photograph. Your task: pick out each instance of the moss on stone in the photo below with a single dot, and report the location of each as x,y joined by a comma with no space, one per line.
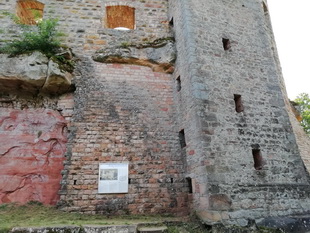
158,43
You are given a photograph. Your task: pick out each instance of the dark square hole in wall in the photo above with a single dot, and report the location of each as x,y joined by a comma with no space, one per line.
179,85
226,44
190,185
182,138
238,103
258,159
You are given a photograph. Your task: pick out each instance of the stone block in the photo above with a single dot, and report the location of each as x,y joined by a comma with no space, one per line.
209,216
220,202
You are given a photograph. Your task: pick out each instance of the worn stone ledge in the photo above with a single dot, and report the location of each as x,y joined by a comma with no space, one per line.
33,74
286,224
160,55
273,188
289,224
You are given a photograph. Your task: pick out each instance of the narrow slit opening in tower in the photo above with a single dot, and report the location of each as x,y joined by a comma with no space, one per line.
226,44
120,17
182,139
190,185
179,85
129,181
29,12
265,7
238,103
171,180
258,159
171,22
74,182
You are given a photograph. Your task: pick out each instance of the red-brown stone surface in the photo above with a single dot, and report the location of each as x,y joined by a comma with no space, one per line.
32,148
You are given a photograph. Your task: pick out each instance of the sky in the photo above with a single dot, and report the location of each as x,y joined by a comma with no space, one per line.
291,26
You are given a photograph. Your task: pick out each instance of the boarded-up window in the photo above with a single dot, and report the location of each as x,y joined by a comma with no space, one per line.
29,12
120,17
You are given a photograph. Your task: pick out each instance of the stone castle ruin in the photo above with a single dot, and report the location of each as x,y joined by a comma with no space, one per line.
173,107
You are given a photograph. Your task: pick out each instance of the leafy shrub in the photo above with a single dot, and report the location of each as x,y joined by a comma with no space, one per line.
42,37
303,100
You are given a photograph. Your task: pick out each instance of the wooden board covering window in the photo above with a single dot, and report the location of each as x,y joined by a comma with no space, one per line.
120,16
28,11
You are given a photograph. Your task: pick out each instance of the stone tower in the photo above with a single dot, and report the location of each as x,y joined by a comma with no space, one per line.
179,106
241,151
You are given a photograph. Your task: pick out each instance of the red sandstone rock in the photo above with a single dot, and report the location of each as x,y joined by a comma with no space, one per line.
32,148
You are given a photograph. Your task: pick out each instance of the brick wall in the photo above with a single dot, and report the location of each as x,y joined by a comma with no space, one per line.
121,113
125,113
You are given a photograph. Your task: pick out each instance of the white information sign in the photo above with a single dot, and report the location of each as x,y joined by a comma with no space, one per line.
113,178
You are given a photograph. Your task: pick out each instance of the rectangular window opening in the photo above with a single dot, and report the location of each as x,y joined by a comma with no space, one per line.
129,181
190,185
171,180
238,103
182,139
179,85
258,159
226,44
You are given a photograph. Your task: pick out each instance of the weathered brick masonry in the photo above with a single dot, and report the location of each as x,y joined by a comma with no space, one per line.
125,113
225,102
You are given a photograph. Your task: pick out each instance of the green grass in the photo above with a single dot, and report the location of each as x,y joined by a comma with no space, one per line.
35,215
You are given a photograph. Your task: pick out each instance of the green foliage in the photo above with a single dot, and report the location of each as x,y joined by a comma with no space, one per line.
11,16
303,100
36,203
3,206
35,214
42,37
125,44
64,63
173,229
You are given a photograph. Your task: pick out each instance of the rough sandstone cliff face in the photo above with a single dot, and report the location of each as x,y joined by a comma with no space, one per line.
31,155
33,133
